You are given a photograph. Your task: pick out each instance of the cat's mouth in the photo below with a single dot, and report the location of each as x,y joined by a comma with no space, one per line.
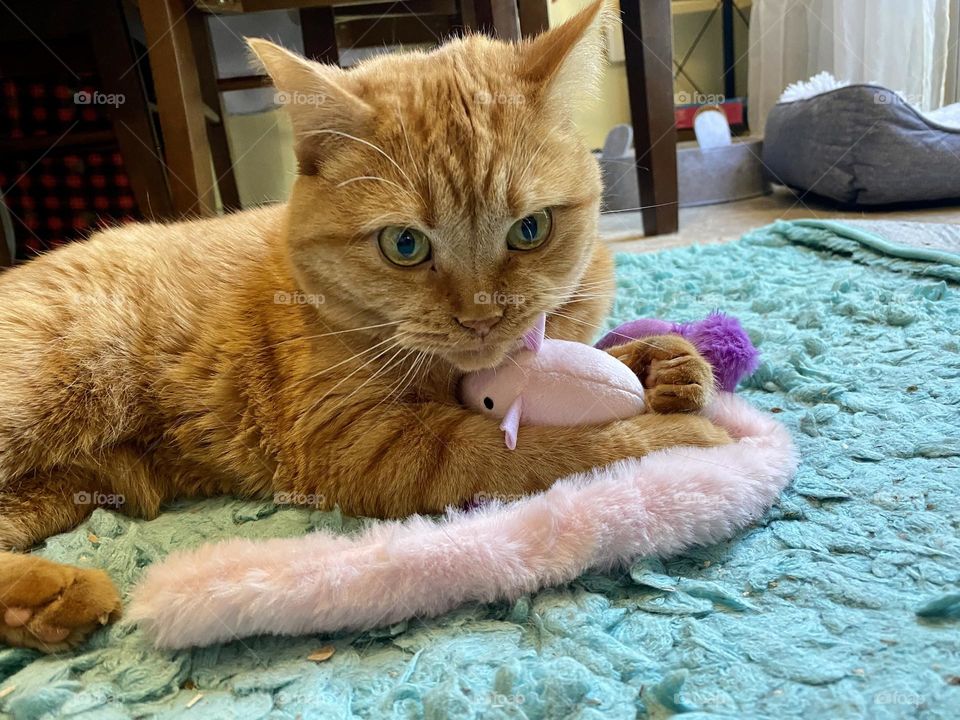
475,354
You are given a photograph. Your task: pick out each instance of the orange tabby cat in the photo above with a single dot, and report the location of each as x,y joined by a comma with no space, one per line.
310,352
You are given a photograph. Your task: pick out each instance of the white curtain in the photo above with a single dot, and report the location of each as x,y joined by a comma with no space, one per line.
902,44
952,87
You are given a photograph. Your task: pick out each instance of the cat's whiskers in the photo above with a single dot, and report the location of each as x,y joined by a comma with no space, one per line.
329,131
417,356
590,292
398,340
373,177
511,358
574,299
303,338
349,359
397,391
380,371
589,296
561,296
523,173
579,286
601,329
570,303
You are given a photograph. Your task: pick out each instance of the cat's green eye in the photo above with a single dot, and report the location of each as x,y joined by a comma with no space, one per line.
404,246
531,231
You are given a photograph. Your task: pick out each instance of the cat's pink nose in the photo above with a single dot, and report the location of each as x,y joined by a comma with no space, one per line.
481,326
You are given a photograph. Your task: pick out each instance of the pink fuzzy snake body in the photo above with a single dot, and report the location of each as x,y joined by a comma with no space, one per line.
422,567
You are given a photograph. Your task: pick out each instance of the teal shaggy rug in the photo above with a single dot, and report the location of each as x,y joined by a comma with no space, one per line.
842,603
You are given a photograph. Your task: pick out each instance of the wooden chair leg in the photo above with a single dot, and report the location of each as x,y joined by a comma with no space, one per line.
500,18
226,179
7,238
131,119
180,104
319,35
647,42
534,17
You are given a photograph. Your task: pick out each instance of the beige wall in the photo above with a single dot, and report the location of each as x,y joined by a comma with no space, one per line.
612,107
261,147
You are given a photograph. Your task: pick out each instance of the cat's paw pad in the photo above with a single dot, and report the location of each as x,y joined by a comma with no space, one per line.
52,607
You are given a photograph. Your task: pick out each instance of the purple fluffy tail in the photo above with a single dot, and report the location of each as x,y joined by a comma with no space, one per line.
722,340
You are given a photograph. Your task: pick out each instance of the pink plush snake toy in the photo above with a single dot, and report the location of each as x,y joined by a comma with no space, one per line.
659,505
553,382
557,382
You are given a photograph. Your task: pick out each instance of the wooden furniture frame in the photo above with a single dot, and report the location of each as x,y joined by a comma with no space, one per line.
648,48
185,90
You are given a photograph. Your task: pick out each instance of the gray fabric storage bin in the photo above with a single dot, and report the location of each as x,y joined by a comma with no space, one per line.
862,145
704,177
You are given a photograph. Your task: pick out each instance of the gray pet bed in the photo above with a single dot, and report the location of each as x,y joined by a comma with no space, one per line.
864,145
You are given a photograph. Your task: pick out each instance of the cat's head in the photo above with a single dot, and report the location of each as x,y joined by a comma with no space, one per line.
445,196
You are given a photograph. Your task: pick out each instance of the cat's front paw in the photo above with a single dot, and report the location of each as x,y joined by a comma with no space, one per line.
676,377
681,384
52,607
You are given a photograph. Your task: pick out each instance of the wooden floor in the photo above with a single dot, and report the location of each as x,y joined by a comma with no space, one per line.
726,222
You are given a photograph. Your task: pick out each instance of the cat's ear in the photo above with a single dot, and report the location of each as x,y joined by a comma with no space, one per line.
567,61
318,99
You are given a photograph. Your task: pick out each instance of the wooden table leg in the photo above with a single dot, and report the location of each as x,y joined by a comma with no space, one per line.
647,43
180,104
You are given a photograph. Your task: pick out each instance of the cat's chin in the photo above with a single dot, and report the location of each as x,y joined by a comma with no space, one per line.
481,359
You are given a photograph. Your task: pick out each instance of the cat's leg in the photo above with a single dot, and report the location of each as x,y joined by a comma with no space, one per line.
424,457
46,605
